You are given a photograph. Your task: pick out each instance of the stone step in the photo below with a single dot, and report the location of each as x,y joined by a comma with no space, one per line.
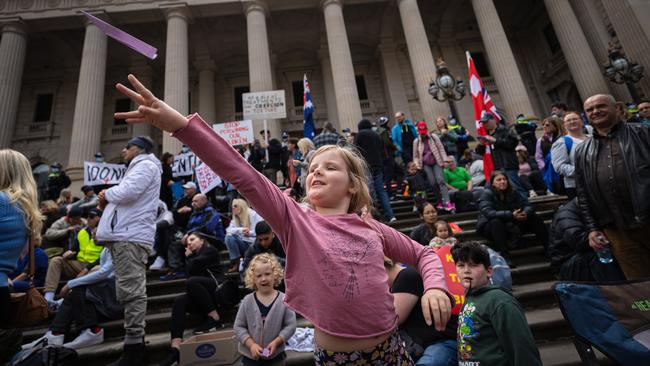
542,322
563,353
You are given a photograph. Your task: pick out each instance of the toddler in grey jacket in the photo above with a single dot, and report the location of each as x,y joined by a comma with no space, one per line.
263,323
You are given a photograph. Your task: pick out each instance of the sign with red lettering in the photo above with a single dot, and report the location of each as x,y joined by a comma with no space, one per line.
236,132
206,178
451,277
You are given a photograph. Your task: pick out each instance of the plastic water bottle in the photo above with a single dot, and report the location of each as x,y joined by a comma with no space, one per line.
605,255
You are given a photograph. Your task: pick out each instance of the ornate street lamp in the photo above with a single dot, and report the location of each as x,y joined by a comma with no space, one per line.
620,70
446,88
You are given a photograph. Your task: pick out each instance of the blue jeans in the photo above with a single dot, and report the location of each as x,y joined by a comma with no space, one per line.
236,246
442,353
381,194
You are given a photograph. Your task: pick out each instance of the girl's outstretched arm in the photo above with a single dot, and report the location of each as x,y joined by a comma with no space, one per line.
213,150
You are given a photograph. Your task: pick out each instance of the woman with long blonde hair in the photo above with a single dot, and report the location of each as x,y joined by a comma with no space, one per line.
240,234
20,218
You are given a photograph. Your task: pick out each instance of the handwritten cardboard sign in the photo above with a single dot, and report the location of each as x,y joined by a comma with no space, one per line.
236,132
206,178
101,173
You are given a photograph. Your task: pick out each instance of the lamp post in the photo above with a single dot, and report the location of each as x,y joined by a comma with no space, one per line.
446,88
620,70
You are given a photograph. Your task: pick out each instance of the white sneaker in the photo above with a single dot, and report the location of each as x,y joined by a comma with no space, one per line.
56,340
393,219
532,193
86,339
158,264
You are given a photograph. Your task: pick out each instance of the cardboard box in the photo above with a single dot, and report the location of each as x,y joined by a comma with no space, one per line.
218,348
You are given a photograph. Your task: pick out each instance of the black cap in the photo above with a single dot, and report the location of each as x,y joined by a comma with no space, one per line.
204,234
75,212
94,212
143,142
86,189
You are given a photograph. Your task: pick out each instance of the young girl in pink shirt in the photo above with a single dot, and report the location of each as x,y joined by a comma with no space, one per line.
334,266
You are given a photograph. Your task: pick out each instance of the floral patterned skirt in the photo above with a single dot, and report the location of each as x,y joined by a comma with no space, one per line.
390,352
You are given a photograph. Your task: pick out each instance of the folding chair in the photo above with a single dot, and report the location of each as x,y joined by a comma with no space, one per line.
612,317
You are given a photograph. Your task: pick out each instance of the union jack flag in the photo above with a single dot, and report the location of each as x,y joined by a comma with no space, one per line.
307,110
482,105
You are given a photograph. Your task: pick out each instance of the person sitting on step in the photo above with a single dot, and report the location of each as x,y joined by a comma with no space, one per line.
240,234
266,242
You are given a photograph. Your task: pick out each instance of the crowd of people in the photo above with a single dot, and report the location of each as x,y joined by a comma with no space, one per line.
292,212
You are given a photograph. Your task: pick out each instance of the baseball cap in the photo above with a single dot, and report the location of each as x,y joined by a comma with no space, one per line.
75,212
86,189
189,185
422,128
94,212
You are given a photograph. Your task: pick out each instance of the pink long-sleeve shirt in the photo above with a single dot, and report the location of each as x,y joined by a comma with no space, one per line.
334,272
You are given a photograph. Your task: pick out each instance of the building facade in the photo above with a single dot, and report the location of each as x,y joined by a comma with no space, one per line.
363,58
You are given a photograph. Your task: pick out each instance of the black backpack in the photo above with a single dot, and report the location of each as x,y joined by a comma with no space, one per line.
46,355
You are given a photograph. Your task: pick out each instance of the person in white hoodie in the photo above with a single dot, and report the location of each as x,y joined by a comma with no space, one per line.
128,229
240,234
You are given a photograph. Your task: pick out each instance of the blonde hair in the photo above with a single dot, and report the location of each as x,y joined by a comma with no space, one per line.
305,145
62,198
17,181
50,205
241,220
558,123
357,173
264,258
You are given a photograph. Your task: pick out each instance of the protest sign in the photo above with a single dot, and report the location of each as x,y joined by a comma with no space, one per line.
101,173
264,105
236,133
184,164
451,277
206,178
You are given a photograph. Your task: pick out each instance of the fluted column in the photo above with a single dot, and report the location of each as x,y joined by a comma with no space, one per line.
88,109
632,36
13,47
393,83
259,58
141,69
424,69
207,100
595,30
328,86
176,69
345,87
511,85
584,69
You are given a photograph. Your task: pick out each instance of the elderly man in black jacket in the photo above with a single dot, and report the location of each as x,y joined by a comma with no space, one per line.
569,249
613,185
372,149
502,141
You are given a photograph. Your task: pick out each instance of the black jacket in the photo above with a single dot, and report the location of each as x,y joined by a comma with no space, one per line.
206,259
422,234
634,140
370,146
275,155
503,149
492,207
256,248
569,234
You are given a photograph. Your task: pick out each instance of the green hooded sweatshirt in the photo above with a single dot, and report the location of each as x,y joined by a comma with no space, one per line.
492,330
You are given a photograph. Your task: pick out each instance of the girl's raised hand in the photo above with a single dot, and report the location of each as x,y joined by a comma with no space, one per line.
436,308
150,109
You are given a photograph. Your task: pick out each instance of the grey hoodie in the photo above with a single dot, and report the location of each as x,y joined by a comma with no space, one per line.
133,204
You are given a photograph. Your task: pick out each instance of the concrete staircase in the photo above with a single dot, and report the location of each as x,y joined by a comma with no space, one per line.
532,280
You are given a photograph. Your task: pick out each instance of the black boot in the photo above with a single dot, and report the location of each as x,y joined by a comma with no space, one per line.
172,357
133,355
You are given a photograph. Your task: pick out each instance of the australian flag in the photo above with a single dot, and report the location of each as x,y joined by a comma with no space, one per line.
307,110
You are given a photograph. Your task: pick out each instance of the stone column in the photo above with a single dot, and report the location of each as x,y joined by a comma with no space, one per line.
145,74
176,69
259,58
632,36
584,69
13,48
88,109
328,86
424,69
393,83
593,26
511,85
345,86
207,99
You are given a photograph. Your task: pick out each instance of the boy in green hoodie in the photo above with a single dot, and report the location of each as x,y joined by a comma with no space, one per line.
492,328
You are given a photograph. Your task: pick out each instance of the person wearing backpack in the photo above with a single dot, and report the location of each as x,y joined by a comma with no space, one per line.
553,130
563,151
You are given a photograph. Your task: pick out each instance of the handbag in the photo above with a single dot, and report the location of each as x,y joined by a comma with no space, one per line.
29,308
